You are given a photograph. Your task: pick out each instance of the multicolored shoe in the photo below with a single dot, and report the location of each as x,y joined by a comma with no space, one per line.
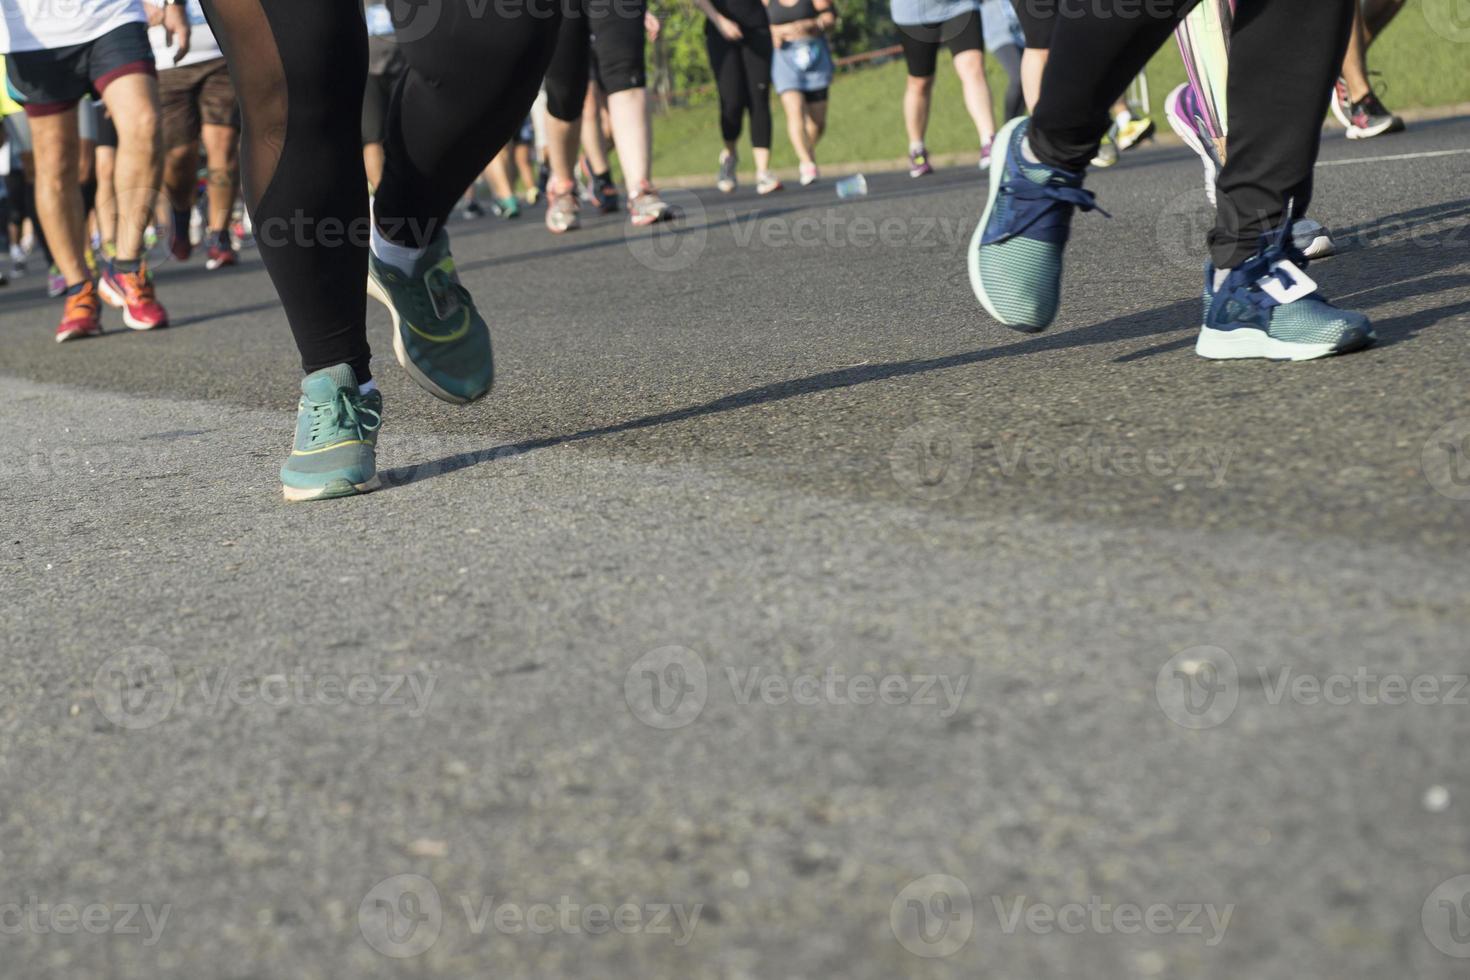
1133,132
1015,255
221,255
1182,109
82,315
438,335
986,150
55,283
335,452
132,292
561,208
600,192
919,165
647,208
727,179
808,174
1107,150
1269,307
767,183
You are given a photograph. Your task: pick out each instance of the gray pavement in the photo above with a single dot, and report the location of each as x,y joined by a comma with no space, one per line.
779,616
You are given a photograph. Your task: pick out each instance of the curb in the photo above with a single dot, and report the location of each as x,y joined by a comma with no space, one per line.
1163,136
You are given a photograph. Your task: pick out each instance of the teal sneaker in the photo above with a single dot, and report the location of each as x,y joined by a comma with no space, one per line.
1269,307
1015,254
440,338
336,438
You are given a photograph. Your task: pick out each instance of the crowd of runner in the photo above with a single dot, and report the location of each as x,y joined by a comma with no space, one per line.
133,127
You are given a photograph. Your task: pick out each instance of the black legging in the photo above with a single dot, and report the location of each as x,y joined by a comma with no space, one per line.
742,71
607,31
299,67
1284,56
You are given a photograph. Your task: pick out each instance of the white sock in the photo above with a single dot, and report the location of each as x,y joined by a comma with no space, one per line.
1220,276
400,257
363,389
916,146
1123,118
1026,153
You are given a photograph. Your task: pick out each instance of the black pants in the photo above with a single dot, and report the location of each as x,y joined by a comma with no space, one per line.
600,40
299,68
742,71
1284,57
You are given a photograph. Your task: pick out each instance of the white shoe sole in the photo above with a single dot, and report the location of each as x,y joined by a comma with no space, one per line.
1186,133
1368,132
999,155
296,496
1229,345
404,361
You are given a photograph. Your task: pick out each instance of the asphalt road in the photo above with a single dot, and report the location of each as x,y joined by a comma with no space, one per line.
779,616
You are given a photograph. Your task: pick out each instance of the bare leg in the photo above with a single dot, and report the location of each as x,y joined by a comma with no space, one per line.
917,95
1033,66
816,123
499,175
1378,14
594,142
795,105
221,152
58,200
133,102
1355,64
970,67
633,134
107,195
372,161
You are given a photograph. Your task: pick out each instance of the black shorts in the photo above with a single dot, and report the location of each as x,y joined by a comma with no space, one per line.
53,81
1036,27
921,41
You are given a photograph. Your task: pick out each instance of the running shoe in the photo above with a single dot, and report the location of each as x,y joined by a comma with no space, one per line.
17,261
919,165
561,209
81,316
439,337
1269,307
1368,118
1107,150
132,292
767,183
1311,239
598,191
506,207
1133,132
647,208
726,181
1182,109
221,254
985,151
809,174
1342,103
473,210
1015,256
55,282
335,452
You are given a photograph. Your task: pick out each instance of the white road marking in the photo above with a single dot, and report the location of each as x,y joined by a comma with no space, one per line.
1396,156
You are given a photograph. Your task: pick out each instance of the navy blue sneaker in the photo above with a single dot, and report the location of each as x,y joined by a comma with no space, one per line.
1016,252
1269,307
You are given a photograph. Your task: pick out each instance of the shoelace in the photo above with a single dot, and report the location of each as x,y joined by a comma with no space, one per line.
344,408
1029,190
1277,247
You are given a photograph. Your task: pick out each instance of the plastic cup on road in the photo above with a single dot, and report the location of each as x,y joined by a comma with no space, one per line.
854,186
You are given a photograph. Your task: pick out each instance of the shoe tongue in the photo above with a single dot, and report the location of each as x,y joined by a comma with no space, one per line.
323,385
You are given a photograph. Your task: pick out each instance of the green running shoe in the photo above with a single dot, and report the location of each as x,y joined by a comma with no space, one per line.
336,438
440,338
1015,256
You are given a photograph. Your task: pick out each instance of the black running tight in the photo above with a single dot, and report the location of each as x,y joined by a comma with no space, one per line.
742,71
1284,57
300,68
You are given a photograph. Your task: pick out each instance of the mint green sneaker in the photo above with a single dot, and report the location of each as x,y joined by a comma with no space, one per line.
336,438
440,338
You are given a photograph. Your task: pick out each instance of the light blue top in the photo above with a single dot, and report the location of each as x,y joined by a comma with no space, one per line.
930,11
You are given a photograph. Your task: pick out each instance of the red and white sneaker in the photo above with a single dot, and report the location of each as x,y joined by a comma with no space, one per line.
221,256
82,315
132,292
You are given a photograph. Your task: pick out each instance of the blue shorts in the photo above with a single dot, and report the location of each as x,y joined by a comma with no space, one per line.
802,66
